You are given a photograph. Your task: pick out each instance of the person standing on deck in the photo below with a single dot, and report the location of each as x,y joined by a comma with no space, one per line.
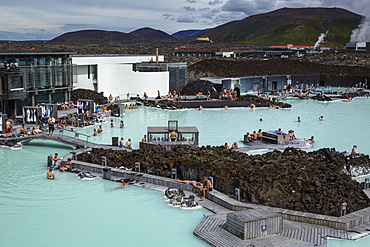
51,122
159,95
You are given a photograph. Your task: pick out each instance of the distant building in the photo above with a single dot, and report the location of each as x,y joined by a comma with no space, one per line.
205,39
178,76
191,53
128,75
358,46
32,77
274,83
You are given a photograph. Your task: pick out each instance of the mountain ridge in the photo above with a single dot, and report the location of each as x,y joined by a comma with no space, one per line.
141,34
289,25
299,26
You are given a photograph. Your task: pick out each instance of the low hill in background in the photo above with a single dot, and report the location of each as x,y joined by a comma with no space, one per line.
142,34
298,26
189,34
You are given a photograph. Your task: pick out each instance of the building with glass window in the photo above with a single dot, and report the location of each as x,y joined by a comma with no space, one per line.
28,78
274,83
129,75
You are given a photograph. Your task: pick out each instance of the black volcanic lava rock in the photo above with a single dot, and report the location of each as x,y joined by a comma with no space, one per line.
194,87
258,101
98,98
315,182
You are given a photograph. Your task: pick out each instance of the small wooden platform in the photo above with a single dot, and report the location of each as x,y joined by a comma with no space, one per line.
258,145
212,229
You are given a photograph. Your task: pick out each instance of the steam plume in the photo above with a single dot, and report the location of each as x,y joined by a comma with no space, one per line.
320,39
362,33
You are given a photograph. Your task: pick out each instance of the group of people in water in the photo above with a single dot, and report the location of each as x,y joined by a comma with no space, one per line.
233,146
130,106
55,164
254,136
128,143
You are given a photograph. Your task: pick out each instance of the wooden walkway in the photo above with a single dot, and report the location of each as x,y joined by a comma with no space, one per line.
213,229
69,140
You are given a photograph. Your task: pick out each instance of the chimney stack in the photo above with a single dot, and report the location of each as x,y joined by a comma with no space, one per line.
156,55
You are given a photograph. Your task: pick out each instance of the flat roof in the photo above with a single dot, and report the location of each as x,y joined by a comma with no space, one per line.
115,55
35,52
164,129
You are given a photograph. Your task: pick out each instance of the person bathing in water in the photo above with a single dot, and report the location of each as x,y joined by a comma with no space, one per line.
50,174
124,185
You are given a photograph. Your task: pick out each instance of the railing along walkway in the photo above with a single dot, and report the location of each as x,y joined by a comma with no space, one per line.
77,139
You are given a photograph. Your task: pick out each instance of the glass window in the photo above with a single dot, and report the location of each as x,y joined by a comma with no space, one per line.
58,77
41,61
15,82
57,61
42,98
57,97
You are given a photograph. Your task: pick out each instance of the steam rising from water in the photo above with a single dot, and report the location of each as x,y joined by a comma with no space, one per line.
362,33
320,39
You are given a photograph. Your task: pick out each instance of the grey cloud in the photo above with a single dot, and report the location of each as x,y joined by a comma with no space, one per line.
211,14
214,2
188,8
361,7
168,16
4,35
208,15
186,18
204,9
191,1
70,27
249,7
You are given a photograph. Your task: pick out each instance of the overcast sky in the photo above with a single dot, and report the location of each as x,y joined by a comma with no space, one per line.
47,19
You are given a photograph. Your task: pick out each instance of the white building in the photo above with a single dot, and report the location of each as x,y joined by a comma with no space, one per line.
120,75
358,46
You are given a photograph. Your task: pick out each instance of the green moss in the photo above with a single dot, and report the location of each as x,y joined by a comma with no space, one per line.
186,160
215,156
199,158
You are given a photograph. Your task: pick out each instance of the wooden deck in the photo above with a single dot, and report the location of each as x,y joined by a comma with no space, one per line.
258,145
69,140
212,229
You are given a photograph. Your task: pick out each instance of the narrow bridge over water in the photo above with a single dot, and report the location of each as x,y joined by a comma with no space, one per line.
76,139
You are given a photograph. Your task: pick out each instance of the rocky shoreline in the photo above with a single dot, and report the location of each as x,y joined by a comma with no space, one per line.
315,182
248,99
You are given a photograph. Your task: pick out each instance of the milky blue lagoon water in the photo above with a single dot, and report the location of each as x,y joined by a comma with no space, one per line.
67,211
344,125
70,212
